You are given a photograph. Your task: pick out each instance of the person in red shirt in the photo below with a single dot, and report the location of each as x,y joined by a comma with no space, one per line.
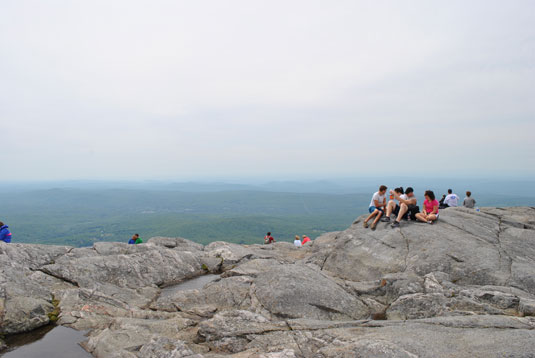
305,239
430,212
268,239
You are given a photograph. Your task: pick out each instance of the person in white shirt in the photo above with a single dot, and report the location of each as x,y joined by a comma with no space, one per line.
377,207
452,200
297,241
392,207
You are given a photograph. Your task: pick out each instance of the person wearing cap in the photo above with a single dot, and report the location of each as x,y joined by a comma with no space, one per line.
305,239
5,234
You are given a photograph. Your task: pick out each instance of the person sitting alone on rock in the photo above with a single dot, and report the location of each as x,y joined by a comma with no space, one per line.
406,206
377,207
305,239
469,202
5,234
268,239
430,212
451,200
135,240
297,241
392,207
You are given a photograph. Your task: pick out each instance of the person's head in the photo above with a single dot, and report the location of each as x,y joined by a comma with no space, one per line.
399,190
304,236
1,224
429,195
135,236
297,237
409,192
450,191
268,234
468,193
382,189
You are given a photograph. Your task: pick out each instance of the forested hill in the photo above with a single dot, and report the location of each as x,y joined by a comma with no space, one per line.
80,217
79,214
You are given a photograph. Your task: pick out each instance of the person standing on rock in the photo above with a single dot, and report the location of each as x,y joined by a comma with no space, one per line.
5,234
469,202
377,207
430,212
135,240
268,239
406,206
305,239
297,241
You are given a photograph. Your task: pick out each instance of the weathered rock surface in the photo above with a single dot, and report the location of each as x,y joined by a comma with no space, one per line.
464,287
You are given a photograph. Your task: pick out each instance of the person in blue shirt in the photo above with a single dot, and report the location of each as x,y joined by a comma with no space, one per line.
135,240
5,234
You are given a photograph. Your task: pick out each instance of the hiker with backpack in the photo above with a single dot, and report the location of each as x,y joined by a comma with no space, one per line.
5,234
268,239
430,209
377,207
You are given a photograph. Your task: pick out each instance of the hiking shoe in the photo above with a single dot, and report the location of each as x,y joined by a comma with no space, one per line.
395,224
365,224
373,226
386,219
430,222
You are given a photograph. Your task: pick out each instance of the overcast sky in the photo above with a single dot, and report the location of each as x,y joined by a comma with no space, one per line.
200,89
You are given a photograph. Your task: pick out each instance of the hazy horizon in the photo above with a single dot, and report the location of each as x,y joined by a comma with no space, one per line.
277,90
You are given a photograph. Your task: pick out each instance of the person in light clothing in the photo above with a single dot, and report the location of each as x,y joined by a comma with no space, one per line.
469,202
451,200
377,207
297,241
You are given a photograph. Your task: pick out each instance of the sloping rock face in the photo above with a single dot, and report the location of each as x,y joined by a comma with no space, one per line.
463,287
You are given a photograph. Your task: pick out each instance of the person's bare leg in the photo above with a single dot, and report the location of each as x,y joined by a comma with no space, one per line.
390,207
371,215
421,217
431,217
379,214
402,210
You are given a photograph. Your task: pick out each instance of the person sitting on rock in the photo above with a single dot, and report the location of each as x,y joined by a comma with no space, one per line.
406,206
305,239
5,234
377,207
297,241
135,240
392,206
469,202
430,212
451,200
268,239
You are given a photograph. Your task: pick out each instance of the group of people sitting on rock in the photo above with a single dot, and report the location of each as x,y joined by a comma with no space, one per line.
403,204
268,239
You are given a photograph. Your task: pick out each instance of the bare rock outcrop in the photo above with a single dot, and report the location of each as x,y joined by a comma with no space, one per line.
462,287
